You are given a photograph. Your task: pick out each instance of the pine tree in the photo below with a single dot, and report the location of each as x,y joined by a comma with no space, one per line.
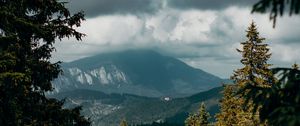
203,115
28,30
277,7
281,102
255,55
200,118
123,123
231,110
255,72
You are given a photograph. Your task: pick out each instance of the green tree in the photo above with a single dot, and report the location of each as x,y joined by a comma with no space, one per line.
28,30
280,104
255,54
231,109
256,72
200,118
277,7
123,123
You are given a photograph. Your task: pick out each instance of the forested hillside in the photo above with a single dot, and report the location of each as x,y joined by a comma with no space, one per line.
110,109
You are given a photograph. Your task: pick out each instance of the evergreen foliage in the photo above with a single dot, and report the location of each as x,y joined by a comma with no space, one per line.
200,118
231,110
28,30
123,123
255,55
235,110
277,7
280,104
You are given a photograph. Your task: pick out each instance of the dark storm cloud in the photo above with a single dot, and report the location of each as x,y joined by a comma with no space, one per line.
209,4
290,40
94,8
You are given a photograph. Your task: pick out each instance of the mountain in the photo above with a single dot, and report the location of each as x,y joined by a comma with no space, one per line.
139,72
109,109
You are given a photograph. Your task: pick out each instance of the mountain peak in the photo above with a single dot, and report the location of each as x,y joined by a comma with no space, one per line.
140,72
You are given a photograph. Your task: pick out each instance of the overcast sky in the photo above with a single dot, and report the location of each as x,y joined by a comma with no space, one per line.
202,33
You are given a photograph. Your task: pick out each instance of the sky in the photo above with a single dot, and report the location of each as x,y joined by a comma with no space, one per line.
202,33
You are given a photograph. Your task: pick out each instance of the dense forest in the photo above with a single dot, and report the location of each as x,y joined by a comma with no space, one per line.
258,95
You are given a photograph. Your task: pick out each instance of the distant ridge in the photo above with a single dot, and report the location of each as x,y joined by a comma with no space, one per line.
139,72
108,109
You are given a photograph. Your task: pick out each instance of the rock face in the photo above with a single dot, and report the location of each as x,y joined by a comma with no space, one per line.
139,72
73,78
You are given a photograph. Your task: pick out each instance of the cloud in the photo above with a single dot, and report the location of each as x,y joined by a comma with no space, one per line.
205,39
286,53
209,4
93,8
186,27
112,30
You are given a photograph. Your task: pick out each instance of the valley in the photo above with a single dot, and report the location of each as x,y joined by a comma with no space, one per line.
141,86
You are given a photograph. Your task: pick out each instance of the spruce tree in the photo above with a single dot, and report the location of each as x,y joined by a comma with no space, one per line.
255,72
28,30
277,7
280,104
231,109
123,123
255,55
200,118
